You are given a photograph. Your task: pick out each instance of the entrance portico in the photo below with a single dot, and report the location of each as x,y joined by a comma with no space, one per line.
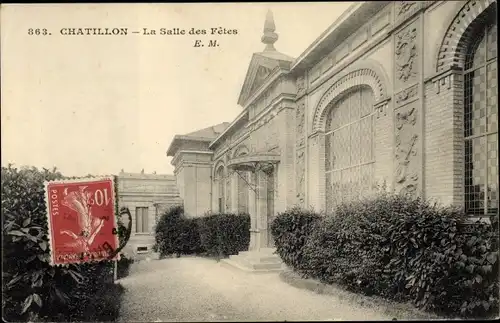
262,184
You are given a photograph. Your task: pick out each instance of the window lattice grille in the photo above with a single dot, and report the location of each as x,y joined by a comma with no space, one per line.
349,148
481,124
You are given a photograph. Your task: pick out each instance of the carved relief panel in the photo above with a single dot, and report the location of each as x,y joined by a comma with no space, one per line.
407,54
300,176
300,122
407,149
300,151
404,7
301,86
408,103
227,176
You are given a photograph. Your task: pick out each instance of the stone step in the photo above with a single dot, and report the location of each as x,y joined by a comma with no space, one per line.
255,263
235,265
261,251
258,258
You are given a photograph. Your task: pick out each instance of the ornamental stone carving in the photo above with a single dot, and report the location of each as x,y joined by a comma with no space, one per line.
404,7
300,117
300,179
406,95
406,117
228,193
301,86
407,166
404,150
406,53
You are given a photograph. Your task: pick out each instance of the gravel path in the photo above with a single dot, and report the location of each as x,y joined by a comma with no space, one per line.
198,289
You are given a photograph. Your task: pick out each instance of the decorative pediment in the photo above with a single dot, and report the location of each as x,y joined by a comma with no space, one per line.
261,75
258,72
263,64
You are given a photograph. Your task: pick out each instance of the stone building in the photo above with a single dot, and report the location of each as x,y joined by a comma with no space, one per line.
401,93
147,196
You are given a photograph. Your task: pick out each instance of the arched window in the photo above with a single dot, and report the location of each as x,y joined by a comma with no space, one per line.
480,122
220,188
349,147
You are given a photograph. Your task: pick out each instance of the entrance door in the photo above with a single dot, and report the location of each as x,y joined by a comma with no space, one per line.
270,207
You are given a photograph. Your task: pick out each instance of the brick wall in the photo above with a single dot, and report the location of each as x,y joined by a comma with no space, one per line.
444,149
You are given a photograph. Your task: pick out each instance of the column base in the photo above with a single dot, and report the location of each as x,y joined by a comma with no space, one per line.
262,260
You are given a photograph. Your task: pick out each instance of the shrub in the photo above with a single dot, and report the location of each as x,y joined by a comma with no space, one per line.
406,250
32,289
123,266
290,231
175,234
222,235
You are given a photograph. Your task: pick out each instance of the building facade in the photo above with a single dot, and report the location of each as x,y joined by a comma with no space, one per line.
147,196
395,94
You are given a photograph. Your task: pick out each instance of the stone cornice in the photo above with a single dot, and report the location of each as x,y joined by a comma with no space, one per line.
274,109
274,105
138,177
183,164
128,194
381,106
443,74
178,154
371,44
301,61
179,139
230,127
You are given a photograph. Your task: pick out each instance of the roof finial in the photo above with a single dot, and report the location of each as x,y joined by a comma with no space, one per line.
269,37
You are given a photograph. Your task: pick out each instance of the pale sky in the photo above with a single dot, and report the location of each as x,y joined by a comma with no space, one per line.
98,104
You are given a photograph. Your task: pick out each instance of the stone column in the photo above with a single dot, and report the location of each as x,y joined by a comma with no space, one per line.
234,192
261,205
252,210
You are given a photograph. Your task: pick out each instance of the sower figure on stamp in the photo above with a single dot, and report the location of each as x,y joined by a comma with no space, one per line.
90,225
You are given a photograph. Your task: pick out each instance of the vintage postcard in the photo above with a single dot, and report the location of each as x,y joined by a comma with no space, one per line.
254,161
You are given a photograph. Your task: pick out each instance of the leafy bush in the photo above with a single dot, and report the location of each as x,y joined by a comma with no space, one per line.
175,234
290,230
32,289
222,235
406,250
123,266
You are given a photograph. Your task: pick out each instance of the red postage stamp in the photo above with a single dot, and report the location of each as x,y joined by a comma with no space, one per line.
82,222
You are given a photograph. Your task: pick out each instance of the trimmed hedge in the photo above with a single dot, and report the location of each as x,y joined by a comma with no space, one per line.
291,230
32,289
222,235
213,235
402,249
176,234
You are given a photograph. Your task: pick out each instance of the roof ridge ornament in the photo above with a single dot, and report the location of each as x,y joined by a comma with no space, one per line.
269,37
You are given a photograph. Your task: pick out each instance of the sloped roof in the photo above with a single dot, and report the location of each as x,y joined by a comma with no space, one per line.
206,134
277,56
209,132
